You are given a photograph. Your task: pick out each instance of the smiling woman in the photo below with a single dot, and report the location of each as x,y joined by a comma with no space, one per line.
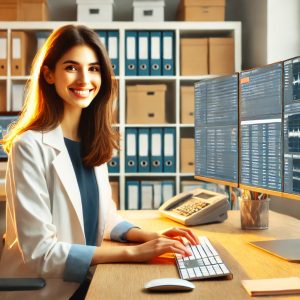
59,200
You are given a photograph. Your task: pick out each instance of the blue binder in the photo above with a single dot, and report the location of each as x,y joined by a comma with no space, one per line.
169,150
41,37
156,150
146,195
114,163
168,189
132,194
143,53
168,55
143,149
131,53
155,53
113,50
131,150
103,37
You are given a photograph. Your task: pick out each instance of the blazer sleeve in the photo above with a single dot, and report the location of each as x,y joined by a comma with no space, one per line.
29,205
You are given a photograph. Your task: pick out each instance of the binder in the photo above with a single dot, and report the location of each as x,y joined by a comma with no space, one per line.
168,190
143,149
114,163
132,193
169,150
103,37
3,53
146,195
113,50
131,150
168,57
157,194
17,96
156,150
143,53
131,53
155,53
41,37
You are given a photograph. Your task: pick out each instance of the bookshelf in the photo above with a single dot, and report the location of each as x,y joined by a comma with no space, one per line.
180,29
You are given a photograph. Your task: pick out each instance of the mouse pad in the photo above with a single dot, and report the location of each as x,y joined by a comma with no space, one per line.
287,249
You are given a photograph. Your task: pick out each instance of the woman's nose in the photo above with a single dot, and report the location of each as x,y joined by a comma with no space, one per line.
83,77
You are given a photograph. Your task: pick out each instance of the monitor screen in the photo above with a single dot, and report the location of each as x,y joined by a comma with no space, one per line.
6,119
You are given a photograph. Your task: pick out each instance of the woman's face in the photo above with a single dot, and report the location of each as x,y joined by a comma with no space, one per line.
77,77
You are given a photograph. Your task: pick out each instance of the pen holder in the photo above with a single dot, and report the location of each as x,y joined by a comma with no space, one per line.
254,214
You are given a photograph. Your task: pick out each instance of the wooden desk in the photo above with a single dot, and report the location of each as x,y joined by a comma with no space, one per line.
126,281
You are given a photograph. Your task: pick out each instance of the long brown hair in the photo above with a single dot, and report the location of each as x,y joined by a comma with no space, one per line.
43,108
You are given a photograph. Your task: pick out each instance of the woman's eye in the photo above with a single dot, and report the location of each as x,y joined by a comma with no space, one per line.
71,68
94,69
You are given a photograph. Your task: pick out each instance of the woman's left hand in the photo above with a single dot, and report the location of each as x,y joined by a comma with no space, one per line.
179,233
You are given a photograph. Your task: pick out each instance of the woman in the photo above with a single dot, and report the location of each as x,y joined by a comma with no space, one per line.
59,206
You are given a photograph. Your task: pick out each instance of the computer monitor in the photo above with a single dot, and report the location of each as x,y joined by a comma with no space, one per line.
6,119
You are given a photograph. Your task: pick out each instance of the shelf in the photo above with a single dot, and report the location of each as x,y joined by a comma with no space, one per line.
181,29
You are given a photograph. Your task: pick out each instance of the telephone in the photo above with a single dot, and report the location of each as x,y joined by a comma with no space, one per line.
196,207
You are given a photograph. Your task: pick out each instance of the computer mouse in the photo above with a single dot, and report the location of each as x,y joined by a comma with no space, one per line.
169,285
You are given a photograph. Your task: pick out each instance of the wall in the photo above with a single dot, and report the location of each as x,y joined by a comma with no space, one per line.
270,29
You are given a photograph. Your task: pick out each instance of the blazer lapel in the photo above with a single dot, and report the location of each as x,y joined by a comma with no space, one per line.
65,171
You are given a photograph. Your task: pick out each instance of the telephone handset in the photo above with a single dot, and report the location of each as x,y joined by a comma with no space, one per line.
196,207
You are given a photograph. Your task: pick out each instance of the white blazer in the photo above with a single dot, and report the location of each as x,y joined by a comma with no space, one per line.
44,213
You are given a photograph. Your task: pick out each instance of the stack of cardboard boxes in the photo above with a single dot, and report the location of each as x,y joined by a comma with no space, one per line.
23,10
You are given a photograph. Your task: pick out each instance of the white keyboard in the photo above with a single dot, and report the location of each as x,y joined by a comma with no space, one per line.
204,263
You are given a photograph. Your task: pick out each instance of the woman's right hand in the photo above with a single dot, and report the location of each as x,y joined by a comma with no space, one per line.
147,251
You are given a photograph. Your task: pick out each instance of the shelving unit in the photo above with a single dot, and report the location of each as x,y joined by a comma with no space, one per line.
181,29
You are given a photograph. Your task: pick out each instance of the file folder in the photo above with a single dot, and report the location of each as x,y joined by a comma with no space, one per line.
41,37
169,150
143,148
131,150
146,195
157,194
113,50
114,163
3,53
103,37
131,53
155,53
156,150
18,96
20,50
168,47
132,195
143,53
168,190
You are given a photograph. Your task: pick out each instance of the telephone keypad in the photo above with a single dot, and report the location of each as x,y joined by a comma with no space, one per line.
192,206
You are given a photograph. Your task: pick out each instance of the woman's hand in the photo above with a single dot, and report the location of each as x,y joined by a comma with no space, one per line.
147,251
179,233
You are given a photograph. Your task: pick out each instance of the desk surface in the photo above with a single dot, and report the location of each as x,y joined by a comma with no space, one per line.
126,281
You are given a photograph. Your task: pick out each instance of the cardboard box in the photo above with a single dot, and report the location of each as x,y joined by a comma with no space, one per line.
115,192
221,55
33,10
9,10
146,104
95,10
187,153
194,56
201,10
152,11
187,104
